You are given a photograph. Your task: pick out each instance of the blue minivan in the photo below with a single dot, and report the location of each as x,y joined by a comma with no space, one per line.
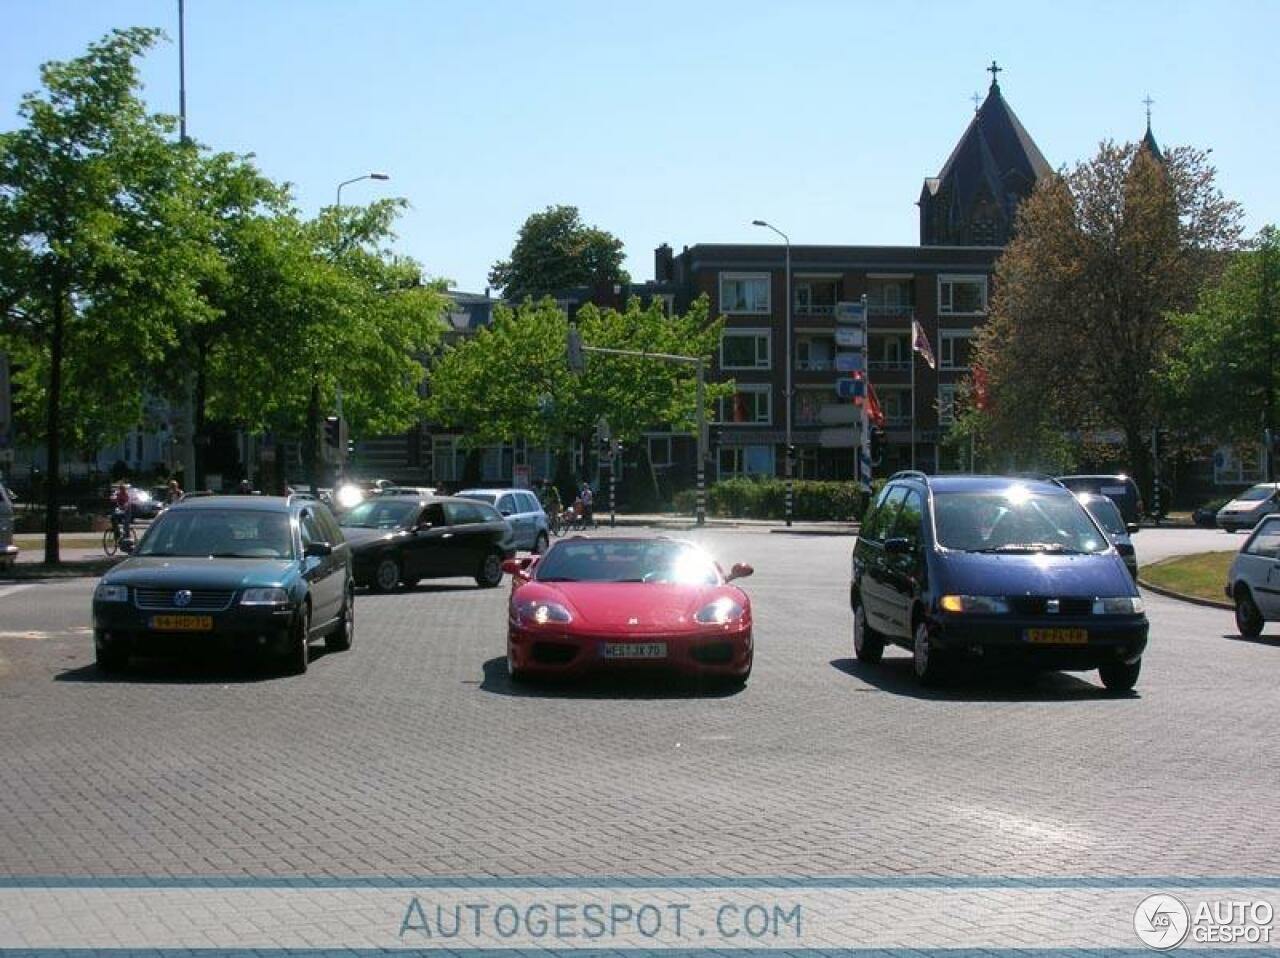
993,568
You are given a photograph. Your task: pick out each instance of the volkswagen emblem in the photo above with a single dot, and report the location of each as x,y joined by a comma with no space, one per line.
182,598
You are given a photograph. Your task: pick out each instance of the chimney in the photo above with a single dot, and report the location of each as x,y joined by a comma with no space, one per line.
663,264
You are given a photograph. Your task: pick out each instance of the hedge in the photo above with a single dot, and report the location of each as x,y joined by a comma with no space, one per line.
766,499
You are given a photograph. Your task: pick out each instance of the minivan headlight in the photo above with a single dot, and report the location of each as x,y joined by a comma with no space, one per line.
1117,605
110,593
974,604
264,597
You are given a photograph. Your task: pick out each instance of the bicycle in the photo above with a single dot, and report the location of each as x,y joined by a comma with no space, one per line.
555,522
119,532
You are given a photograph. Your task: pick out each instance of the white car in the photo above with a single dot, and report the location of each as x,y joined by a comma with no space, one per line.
1244,511
1253,583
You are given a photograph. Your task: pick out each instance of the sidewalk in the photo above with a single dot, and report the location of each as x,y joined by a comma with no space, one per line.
78,558
671,520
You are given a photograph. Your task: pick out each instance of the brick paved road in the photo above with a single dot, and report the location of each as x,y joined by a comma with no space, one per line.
413,755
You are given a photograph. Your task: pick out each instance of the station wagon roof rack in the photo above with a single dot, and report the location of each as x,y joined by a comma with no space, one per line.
910,474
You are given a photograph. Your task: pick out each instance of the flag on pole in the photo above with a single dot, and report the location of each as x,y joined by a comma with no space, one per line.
874,413
979,378
920,343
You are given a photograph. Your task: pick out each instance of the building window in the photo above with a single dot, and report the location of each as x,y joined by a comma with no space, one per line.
744,292
962,295
946,404
816,297
744,349
660,452
889,351
735,461
496,463
815,352
1237,467
890,297
750,405
953,348
448,459
896,405
809,403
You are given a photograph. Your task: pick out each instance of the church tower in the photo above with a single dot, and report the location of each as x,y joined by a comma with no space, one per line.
994,167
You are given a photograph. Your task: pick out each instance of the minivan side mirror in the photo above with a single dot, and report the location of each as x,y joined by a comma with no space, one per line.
317,550
898,547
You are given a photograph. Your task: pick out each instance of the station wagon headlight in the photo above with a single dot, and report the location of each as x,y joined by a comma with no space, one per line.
720,612
106,592
1117,605
264,597
535,612
974,604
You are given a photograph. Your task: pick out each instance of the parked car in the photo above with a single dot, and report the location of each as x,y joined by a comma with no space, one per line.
1119,488
145,505
253,573
1106,514
627,604
398,540
8,551
1206,516
997,568
523,510
1244,511
1253,583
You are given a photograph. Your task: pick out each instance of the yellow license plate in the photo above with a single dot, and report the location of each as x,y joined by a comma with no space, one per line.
182,623
1058,636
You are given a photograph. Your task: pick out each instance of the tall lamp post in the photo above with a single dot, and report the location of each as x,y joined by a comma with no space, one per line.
786,395
357,179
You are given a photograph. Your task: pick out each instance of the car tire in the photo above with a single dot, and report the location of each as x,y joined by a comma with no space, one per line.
540,544
344,633
868,644
111,660
298,656
1120,676
489,575
1249,619
929,663
386,575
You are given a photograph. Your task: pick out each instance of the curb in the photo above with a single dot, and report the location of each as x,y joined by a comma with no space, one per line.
1183,597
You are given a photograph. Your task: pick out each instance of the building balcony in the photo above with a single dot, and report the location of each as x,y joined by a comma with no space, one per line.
888,365
890,311
815,309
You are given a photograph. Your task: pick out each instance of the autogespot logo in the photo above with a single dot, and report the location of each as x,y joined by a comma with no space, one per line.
182,598
1161,921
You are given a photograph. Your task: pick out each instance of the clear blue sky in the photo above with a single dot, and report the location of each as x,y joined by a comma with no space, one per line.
675,120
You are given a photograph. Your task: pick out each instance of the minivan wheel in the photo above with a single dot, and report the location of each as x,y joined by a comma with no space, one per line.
1120,676
386,577
490,573
928,661
868,644
1248,618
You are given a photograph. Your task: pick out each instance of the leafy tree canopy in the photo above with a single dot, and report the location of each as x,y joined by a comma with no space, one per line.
556,250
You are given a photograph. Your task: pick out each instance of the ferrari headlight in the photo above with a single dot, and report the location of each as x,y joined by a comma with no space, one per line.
537,612
264,597
1118,605
974,604
720,612
110,593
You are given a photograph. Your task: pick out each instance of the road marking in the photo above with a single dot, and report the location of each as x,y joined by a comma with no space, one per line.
11,589
37,634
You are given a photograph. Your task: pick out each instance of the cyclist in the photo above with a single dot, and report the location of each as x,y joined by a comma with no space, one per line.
122,511
173,493
585,497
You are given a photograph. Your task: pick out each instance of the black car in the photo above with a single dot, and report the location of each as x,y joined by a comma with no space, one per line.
997,568
250,572
1120,489
398,540
1106,514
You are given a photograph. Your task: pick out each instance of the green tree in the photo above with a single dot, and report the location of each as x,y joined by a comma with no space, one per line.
1224,376
512,378
556,250
1080,330
95,261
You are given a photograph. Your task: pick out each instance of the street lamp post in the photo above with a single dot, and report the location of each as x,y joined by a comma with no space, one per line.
789,465
357,179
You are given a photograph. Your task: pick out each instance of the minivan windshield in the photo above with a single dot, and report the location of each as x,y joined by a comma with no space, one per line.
1107,514
1014,520
1257,494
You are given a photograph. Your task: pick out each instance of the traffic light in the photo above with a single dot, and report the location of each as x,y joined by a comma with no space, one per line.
576,362
791,453
877,445
333,432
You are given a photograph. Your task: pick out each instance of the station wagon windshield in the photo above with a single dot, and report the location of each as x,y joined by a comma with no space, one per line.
1014,521
379,514
220,534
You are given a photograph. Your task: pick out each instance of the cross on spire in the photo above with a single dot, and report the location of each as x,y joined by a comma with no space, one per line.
994,69
977,100
1148,101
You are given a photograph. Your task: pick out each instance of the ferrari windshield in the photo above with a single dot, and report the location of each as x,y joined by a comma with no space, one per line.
628,560
220,534
1013,520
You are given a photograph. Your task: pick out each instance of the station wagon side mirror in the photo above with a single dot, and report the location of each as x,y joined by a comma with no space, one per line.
317,550
506,513
1131,528
740,570
898,547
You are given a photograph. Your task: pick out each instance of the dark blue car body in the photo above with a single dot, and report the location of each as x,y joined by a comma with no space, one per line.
1045,608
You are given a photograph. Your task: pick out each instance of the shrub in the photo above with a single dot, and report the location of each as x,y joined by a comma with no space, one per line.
813,500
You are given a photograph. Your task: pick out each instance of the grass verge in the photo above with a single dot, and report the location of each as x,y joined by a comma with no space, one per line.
1202,575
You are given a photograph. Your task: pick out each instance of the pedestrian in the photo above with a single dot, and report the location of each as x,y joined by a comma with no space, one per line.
246,487
173,493
588,514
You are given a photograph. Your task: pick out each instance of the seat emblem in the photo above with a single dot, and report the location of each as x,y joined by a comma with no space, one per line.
182,598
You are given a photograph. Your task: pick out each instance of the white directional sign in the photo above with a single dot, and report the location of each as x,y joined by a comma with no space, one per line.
851,313
850,337
850,362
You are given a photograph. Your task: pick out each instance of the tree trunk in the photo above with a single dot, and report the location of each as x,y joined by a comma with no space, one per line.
53,426
1137,444
200,400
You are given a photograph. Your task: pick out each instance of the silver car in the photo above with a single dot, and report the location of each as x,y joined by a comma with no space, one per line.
523,513
8,551
1244,511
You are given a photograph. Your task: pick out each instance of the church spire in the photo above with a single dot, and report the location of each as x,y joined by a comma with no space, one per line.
995,69
1149,139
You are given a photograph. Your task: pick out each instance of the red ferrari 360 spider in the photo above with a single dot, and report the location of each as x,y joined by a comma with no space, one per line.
605,604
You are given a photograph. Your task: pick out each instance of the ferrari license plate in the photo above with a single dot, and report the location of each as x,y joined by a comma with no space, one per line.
1058,636
633,650
182,623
